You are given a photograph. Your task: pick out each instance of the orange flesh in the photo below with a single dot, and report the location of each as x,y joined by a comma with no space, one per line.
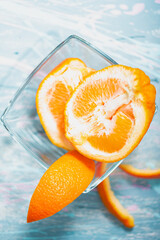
117,139
121,119
57,104
52,95
96,94
110,112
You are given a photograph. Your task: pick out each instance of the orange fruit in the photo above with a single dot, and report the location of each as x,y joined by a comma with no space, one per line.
141,173
52,95
109,113
112,203
62,183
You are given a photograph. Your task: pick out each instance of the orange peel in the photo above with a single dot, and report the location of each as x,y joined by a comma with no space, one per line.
111,202
60,185
140,173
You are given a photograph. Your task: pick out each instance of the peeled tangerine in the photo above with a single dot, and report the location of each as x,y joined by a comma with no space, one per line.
109,113
53,94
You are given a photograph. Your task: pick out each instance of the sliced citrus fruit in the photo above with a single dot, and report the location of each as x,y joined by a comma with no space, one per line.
141,173
60,185
52,95
109,113
112,203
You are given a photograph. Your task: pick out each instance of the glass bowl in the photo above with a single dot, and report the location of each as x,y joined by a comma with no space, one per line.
20,117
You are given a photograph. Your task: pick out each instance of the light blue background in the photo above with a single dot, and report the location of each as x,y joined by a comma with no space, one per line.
129,31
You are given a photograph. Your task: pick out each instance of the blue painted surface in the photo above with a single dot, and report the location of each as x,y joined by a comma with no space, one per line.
128,32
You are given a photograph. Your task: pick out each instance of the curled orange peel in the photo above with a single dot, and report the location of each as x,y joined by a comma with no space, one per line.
140,173
112,203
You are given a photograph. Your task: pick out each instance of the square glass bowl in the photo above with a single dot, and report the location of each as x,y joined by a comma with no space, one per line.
20,117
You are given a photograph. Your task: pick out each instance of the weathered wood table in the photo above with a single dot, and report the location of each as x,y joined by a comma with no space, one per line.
130,33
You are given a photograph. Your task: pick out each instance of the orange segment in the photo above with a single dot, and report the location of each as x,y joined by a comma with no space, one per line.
112,203
109,113
141,173
60,185
110,142
52,95
94,91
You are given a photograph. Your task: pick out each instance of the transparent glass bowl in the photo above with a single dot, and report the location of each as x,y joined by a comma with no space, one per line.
20,117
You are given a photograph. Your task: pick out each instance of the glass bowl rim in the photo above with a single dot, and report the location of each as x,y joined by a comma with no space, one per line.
27,80
24,84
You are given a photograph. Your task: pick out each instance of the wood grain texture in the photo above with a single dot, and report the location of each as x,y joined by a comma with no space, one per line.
129,33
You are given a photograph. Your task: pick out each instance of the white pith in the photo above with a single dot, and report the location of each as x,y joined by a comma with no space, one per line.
70,76
78,129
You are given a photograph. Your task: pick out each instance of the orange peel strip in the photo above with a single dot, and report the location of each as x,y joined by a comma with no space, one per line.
112,203
140,173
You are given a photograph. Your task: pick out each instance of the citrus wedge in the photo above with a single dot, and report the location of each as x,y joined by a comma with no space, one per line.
112,203
60,185
140,173
52,95
109,113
